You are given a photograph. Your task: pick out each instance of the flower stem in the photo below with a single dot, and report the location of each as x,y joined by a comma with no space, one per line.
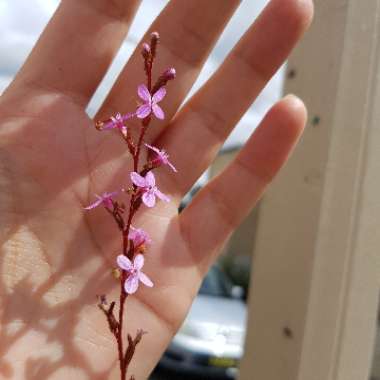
124,359
123,297
145,124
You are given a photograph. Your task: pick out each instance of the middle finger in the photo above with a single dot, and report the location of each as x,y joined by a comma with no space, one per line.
195,135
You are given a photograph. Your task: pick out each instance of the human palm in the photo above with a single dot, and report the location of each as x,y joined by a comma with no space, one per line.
55,257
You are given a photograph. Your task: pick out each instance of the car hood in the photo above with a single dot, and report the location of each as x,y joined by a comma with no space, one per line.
218,310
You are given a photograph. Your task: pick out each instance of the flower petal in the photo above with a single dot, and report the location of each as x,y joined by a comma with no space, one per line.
143,111
150,180
159,95
138,180
94,204
153,148
145,279
138,262
149,199
133,233
172,166
147,238
157,110
110,195
107,202
131,284
127,116
162,196
139,236
109,125
143,92
124,263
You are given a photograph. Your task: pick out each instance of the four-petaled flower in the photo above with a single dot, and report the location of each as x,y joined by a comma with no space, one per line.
148,186
117,121
161,157
134,273
150,102
138,236
105,199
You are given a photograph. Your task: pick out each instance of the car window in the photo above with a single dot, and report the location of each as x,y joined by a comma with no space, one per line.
216,283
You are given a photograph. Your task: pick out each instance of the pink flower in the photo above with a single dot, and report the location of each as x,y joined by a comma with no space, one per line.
148,186
138,236
145,50
169,74
117,121
150,102
105,199
161,158
134,273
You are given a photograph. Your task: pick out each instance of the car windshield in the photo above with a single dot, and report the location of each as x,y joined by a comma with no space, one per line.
216,283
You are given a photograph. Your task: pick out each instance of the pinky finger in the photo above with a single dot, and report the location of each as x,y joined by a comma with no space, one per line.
221,206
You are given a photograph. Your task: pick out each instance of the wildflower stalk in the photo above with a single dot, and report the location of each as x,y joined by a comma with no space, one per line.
143,190
125,359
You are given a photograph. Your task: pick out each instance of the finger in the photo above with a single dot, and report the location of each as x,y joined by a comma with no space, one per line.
188,31
221,206
207,119
77,47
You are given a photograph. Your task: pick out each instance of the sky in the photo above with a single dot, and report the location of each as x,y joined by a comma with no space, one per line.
22,21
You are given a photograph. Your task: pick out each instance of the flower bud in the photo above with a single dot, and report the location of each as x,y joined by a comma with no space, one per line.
99,124
169,74
102,299
145,51
164,78
154,37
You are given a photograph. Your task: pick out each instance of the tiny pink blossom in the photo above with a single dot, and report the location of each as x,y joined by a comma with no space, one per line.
138,236
148,186
105,199
134,273
161,157
150,102
169,74
145,50
117,121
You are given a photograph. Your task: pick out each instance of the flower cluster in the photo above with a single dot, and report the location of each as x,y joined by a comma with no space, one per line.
141,190
144,186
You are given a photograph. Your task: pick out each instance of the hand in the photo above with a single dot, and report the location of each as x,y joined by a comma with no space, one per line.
55,257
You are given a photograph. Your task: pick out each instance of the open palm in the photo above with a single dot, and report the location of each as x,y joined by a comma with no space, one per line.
56,258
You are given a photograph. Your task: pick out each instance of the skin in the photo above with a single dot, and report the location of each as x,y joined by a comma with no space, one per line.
55,257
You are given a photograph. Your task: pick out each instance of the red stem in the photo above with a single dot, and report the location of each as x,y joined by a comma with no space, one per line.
149,75
119,338
125,233
144,127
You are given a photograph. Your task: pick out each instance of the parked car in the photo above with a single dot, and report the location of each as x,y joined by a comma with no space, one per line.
210,341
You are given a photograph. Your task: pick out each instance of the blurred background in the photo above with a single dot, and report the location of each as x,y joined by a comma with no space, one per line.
211,342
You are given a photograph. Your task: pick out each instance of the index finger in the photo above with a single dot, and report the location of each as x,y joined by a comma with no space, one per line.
77,47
